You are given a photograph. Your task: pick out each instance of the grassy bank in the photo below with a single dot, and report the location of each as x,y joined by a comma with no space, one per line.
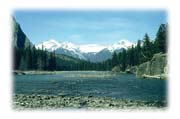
21,102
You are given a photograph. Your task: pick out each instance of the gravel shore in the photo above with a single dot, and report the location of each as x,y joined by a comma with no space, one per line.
31,102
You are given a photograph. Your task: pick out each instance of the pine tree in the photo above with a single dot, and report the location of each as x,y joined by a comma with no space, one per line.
45,60
161,39
23,63
34,58
137,53
39,60
16,58
50,63
132,57
114,59
54,60
123,60
29,57
147,48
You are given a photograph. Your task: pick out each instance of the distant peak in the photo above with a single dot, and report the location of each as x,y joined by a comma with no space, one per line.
53,41
123,41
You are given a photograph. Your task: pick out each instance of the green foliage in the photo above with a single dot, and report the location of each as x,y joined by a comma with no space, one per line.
143,51
114,59
147,49
124,60
30,58
161,39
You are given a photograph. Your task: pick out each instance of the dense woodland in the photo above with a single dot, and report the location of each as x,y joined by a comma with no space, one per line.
30,58
143,51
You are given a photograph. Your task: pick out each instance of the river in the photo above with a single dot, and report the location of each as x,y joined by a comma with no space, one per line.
92,83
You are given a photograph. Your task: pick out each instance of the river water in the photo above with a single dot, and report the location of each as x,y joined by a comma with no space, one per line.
92,83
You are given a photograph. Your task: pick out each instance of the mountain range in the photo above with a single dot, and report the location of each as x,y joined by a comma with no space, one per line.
88,52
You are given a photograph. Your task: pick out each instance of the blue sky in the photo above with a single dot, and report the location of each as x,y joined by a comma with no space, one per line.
89,27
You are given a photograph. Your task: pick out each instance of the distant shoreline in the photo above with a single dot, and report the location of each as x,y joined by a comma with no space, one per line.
21,102
19,72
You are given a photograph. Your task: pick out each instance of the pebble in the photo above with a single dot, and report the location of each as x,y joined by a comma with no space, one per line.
51,101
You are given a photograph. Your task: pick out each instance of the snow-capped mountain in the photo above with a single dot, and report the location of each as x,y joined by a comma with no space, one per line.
49,45
91,48
119,45
107,52
66,48
91,52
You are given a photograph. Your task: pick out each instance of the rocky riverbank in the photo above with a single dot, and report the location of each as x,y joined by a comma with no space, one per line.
29,102
155,68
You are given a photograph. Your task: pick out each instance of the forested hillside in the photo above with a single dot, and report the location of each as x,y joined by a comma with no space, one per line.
143,51
27,57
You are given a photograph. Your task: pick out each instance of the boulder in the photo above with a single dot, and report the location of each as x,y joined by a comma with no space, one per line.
157,67
158,64
131,69
116,69
143,68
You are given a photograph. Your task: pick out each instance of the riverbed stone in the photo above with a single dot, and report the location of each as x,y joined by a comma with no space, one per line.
58,102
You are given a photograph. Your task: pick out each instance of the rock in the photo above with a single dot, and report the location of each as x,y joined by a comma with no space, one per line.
154,76
83,103
158,63
157,67
55,102
131,69
20,40
116,69
19,72
143,69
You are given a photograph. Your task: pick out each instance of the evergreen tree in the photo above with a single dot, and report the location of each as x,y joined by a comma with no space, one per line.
50,63
16,58
161,39
147,48
54,60
132,57
114,59
45,60
34,58
28,56
123,60
137,53
23,63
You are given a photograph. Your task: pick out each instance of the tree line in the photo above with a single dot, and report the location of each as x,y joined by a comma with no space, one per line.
143,51
30,58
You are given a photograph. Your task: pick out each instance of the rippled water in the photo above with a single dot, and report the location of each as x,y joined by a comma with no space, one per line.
94,83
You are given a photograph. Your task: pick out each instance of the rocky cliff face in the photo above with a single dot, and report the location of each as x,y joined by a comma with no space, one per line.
156,68
20,40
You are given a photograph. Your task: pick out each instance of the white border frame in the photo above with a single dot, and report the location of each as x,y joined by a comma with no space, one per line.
7,7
